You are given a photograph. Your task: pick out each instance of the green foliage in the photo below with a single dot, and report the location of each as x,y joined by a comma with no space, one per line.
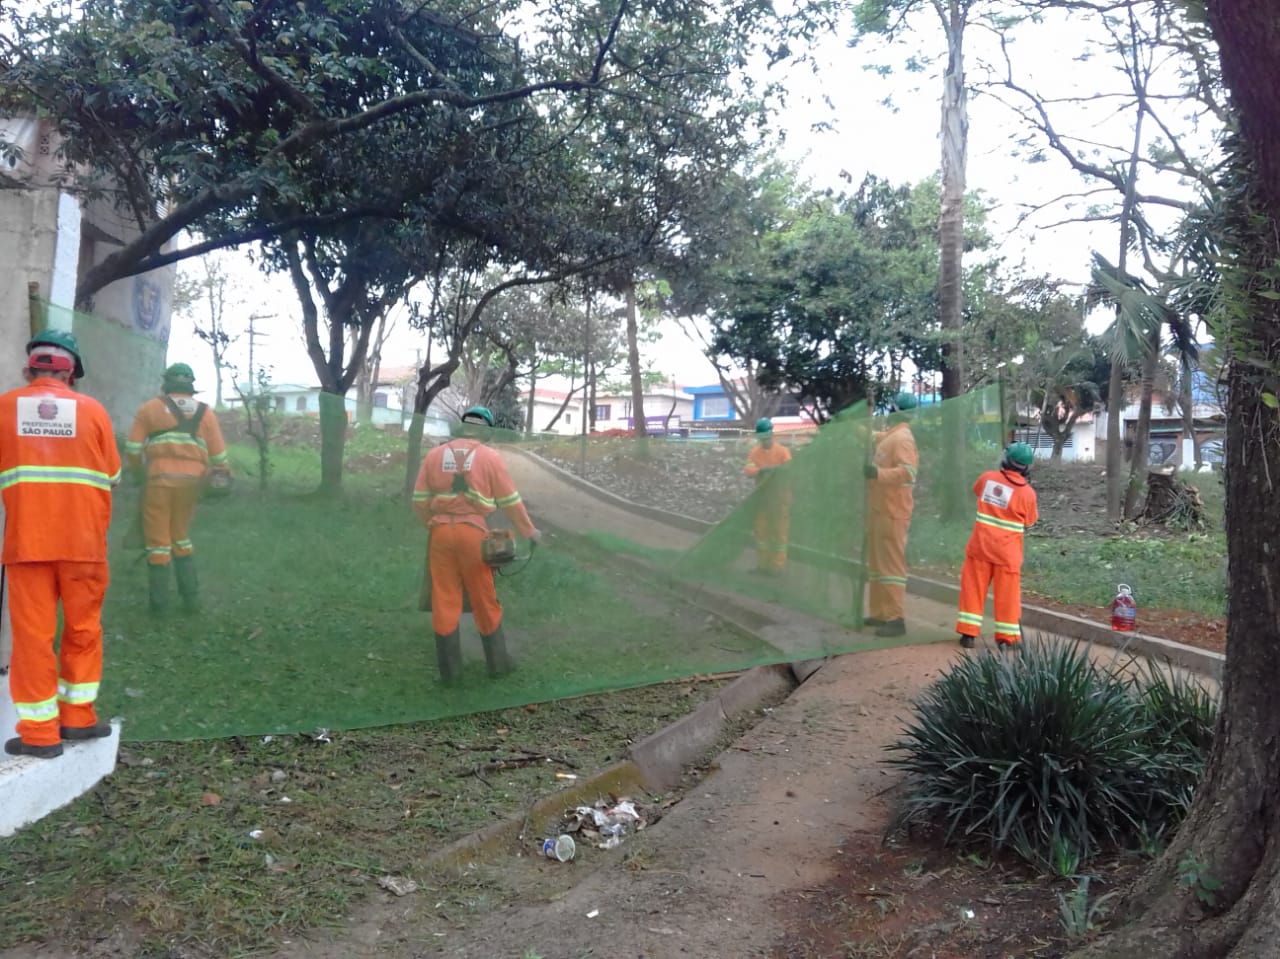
1081,914
830,293
1051,755
1193,874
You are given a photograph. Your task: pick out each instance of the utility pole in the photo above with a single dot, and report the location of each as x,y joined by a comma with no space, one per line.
253,336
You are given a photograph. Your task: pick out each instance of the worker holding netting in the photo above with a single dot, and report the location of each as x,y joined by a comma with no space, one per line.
58,464
174,444
993,557
772,525
460,483
891,478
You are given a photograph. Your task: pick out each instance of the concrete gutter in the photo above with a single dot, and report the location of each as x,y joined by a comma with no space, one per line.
653,765
741,615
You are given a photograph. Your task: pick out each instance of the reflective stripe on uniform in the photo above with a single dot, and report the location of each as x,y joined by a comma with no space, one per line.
71,475
1005,524
219,459
41,712
508,500
480,498
971,619
177,439
77,694
912,471
133,447
1009,629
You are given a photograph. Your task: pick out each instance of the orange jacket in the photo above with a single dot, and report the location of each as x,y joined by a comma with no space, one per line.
488,487
766,459
58,462
1006,508
173,456
893,490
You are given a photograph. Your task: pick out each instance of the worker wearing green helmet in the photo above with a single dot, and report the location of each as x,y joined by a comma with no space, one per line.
460,484
175,447
772,501
890,473
993,558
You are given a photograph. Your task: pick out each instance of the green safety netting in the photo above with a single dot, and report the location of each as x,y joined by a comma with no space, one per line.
310,615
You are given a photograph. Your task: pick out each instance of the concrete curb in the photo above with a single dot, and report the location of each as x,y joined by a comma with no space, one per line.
655,765
1202,661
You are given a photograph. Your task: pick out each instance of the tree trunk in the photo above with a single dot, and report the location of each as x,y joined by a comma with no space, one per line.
633,366
1188,402
1142,441
955,146
533,390
1115,386
1233,829
333,440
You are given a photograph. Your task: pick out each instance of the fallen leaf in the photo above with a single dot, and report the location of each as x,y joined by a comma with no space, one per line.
210,799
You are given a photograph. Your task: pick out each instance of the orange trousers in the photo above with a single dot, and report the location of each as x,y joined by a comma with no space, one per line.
55,689
456,567
976,577
772,530
166,520
886,566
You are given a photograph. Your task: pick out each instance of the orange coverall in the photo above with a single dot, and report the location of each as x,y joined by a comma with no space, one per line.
890,500
456,520
773,505
1006,507
176,463
58,462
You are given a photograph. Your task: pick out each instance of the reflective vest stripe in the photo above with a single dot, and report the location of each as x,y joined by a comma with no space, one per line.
41,712
177,439
508,500
76,694
72,475
1005,524
219,459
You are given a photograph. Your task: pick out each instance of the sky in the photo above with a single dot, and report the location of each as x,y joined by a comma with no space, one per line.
841,122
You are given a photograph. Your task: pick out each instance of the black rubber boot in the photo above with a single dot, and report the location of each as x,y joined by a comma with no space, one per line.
184,571
16,747
96,731
892,627
496,656
449,657
158,585
968,642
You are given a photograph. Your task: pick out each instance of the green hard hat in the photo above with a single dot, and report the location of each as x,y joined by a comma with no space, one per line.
478,412
764,425
61,339
1020,453
180,373
905,401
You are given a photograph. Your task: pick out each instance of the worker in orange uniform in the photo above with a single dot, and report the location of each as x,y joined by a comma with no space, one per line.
179,440
460,483
1006,508
772,499
58,463
891,480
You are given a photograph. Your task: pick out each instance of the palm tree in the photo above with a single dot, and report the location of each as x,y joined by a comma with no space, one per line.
1143,317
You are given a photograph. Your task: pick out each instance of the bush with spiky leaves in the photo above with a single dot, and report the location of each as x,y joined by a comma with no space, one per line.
1050,751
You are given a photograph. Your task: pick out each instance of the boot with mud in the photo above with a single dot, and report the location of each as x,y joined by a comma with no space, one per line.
449,657
184,571
158,588
496,656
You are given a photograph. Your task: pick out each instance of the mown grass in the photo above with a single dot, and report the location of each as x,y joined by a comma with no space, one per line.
310,620
160,854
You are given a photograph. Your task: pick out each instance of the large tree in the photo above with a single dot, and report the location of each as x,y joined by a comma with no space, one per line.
1228,847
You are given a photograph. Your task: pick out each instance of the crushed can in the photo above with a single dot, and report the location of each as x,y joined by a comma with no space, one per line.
1124,610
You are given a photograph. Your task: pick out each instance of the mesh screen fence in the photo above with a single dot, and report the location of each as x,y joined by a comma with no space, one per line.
309,611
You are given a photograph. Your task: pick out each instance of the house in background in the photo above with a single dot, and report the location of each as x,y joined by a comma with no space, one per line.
664,406
546,403
713,409
389,410
1080,446
1169,445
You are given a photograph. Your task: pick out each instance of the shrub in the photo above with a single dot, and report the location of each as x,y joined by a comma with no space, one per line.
1052,755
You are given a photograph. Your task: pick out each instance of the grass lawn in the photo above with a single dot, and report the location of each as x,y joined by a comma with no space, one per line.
310,621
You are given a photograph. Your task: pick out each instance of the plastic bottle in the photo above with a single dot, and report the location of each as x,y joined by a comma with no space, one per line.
1124,610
